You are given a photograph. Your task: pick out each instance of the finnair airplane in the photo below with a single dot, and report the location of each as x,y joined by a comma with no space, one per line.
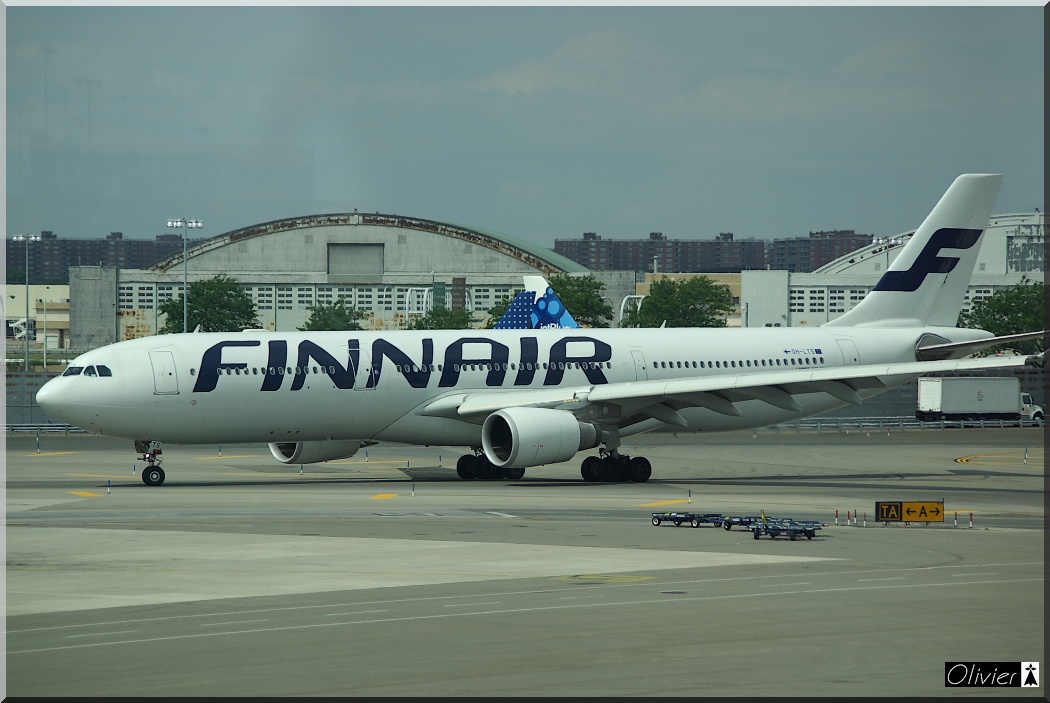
527,397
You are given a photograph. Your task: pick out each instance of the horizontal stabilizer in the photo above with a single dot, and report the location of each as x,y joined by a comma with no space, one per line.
932,352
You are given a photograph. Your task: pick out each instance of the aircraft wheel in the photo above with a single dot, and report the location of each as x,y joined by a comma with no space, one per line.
484,469
587,468
607,470
153,475
513,474
639,469
656,522
465,467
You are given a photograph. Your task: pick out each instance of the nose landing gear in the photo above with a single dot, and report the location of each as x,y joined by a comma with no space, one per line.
151,452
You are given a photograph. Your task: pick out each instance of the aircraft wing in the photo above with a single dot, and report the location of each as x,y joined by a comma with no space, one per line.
661,399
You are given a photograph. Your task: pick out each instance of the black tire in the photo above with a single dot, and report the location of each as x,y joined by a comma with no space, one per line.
484,469
153,475
726,525
756,533
656,522
639,469
677,523
695,522
607,470
587,468
465,467
793,537
513,474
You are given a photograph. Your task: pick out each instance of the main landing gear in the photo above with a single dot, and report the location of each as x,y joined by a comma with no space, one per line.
152,474
611,466
479,467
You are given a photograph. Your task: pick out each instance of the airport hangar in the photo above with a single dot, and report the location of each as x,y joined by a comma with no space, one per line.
389,266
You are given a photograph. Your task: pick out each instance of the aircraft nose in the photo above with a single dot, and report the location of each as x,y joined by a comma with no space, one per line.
48,398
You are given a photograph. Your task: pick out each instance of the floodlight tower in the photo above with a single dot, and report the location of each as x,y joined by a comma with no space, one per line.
184,224
27,238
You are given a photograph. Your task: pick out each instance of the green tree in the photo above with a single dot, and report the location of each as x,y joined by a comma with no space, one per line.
333,316
690,302
441,318
217,305
582,296
1011,310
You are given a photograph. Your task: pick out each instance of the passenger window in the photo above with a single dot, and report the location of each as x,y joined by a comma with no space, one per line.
73,371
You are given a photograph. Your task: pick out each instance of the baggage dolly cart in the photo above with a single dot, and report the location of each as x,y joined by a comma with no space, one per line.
775,527
694,519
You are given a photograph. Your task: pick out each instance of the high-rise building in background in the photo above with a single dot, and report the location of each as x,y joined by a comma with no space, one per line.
51,257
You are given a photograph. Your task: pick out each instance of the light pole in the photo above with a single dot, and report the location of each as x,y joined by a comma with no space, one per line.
43,319
27,238
184,224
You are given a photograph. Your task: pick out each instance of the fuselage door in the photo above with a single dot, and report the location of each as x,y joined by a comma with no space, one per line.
850,356
363,371
165,382
640,374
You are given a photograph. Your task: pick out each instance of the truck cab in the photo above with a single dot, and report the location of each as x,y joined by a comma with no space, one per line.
1029,409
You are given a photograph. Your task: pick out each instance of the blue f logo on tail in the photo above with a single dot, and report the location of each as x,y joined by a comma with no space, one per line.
929,260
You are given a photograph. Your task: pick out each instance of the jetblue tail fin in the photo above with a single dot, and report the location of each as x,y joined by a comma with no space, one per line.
535,307
926,283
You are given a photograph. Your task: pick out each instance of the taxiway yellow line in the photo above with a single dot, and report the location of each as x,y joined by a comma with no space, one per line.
86,494
383,496
49,454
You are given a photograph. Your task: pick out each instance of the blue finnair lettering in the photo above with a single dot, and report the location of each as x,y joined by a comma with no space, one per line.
929,260
212,364
466,354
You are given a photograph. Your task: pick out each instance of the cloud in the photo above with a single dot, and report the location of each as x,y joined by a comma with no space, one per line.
591,62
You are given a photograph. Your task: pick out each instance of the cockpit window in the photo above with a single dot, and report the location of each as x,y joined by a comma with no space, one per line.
90,371
73,371
103,370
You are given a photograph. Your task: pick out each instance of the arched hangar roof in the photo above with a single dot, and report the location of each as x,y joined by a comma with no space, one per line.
540,258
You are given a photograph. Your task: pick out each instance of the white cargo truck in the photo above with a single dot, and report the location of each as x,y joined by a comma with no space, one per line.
975,398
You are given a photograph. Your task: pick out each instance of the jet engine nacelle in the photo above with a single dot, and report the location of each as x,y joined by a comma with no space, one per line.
521,437
313,452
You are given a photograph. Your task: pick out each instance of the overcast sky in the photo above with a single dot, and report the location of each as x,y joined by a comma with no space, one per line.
534,122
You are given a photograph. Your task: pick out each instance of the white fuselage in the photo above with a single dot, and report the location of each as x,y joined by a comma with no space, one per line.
311,386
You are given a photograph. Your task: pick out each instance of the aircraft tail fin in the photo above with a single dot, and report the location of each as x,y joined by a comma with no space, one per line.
926,283
535,307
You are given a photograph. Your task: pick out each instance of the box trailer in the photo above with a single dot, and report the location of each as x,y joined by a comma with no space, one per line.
975,398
